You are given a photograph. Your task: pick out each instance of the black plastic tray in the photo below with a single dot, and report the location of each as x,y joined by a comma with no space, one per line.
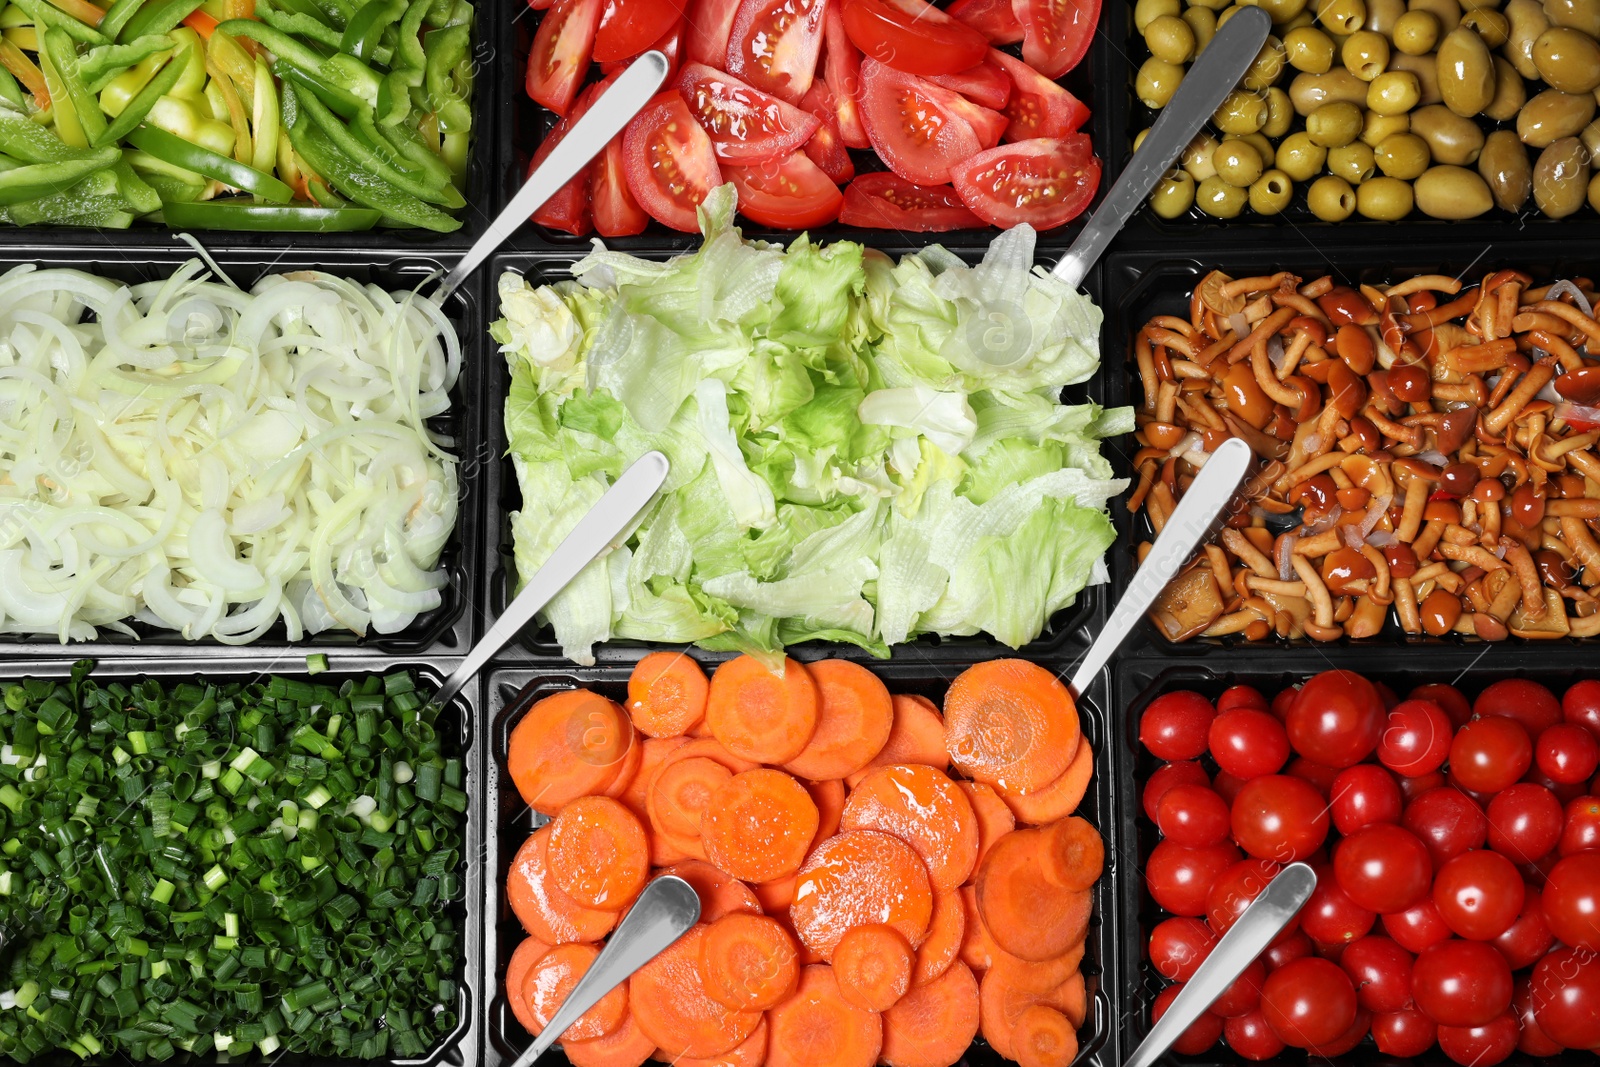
462,733
450,628
510,692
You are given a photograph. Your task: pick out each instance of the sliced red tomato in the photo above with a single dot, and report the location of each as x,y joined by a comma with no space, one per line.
985,84
914,125
1038,106
628,27
795,195
568,209
539,5
710,23
746,125
616,212
1046,182
559,59
987,124
669,162
841,69
1056,33
775,43
669,44
992,18
884,201
912,36
826,148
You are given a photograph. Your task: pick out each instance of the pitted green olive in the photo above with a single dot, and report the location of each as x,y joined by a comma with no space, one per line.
1426,68
1280,112
1241,112
1448,12
1385,199
1403,155
1394,92
1383,14
1591,140
1174,194
1309,49
1138,138
1310,91
1528,21
1300,157
1466,72
1171,39
1263,146
1578,14
1268,66
1504,165
1219,199
1553,115
1365,54
1281,11
1451,138
1335,124
1567,59
1491,26
1342,16
1203,21
1376,127
1561,178
1147,11
1237,162
1331,199
1416,32
1452,193
1157,81
1353,162
1196,158
1271,193
1509,92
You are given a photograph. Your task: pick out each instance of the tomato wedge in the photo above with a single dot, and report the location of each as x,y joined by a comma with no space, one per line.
987,124
710,23
826,148
914,125
912,36
568,210
841,69
775,43
669,162
628,27
1045,182
616,212
539,5
794,196
669,44
1056,33
985,84
559,59
992,18
745,124
1038,106
884,201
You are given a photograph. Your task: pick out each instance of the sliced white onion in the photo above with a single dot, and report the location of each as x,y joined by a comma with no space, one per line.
1275,351
1239,324
1435,457
1380,538
1570,412
1286,557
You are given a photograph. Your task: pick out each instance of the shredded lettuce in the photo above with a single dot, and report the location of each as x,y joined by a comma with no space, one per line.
862,451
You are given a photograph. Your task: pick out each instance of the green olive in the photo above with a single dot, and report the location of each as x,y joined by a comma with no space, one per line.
1174,194
1479,5
1138,138
1353,162
1157,81
1466,72
1394,92
1335,124
1271,193
1567,59
1331,199
1594,191
1310,91
1268,66
1214,5
1300,157
1263,146
1578,14
1281,11
1237,162
1309,50
1448,12
1528,21
1561,178
1280,113
1196,158
1170,38
1509,92
1227,13
1416,32
1383,14
1300,21
1426,68
1591,140
1403,155
1365,54
1553,115
1241,112
1147,11
1203,22
1342,16
1493,27
1376,127
1219,199
1451,138
1505,167
1385,199
1452,193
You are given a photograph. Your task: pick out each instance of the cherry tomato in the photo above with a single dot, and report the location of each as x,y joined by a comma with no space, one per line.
1572,902
1193,816
1353,1035
1533,1040
1240,696
1490,754
1448,821
1235,888
1163,778
1179,878
1251,1037
1529,703
913,36
1295,946
1581,704
1178,945
1567,753
709,24
1308,1002
1201,1034
628,27
1320,775
794,195
1478,894
1581,832
1227,786
1412,788
1461,983
1248,742
883,200
1283,700
559,58
985,84
1364,795
1280,818
1337,719
670,163
917,129
992,18
1481,1046
1449,698
1566,997
1381,971
1383,868
1417,927
746,125
1524,822
1404,1034
1243,994
1330,917
1527,939
1416,738
616,212
1045,182
1056,33
1038,107
774,44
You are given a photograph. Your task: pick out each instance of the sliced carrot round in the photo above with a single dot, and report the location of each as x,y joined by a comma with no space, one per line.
994,817
1043,1037
856,878
818,1027
829,797
759,716
666,694
682,791
637,795
855,715
628,771
759,825
749,962
917,736
751,1052
1024,913
526,955
933,1025
544,910
1074,855
626,1046
942,946
776,896
1071,998
926,810
1039,976
1059,798
1005,994
598,853
552,978
873,966
568,745
1010,723
720,893
668,997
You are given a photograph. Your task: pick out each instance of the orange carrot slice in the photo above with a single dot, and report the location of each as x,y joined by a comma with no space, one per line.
626,1046
853,723
1043,1037
628,771
776,896
829,797
1010,723
751,1052
748,962
720,894
598,853
873,966
1023,912
1071,998
994,817
669,1000
682,790
550,980
1039,976
522,960
1007,991
917,736
978,950
1074,855
856,878
760,716
933,1025
818,1027
637,795
926,810
1058,799
666,694
942,946
544,910
568,745
759,825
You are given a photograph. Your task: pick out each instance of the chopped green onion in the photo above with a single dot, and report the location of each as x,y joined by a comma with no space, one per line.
316,663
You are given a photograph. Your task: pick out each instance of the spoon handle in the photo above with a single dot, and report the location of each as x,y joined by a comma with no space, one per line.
665,910
1214,75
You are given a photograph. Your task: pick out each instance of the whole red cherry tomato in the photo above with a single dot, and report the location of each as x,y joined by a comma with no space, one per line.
1525,941
1243,994
1566,997
1383,868
1363,795
1283,700
1164,777
1481,1046
1478,894
1337,719
1417,927
1308,1002
1330,917
1404,1034
1412,788
1461,983
1319,775
1381,972
1227,786
1251,1037
1567,753
1278,817
1248,742
1533,1040
1448,821
1448,697
1582,830
1529,703
1235,888
1297,946
1353,1035
1193,816
1524,822
1241,696
1490,754
1178,945
1581,704
1416,738
1201,1034
1175,724
1572,904
1179,878
1563,792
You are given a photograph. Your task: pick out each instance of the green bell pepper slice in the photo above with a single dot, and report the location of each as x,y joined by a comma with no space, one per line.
157,16
447,48
406,140
301,25
100,65
236,214
117,16
64,57
337,99
22,138
11,91
46,179
394,95
190,156
362,37
341,71
71,209
377,160
409,52
140,106
142,198
171,188
46,15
